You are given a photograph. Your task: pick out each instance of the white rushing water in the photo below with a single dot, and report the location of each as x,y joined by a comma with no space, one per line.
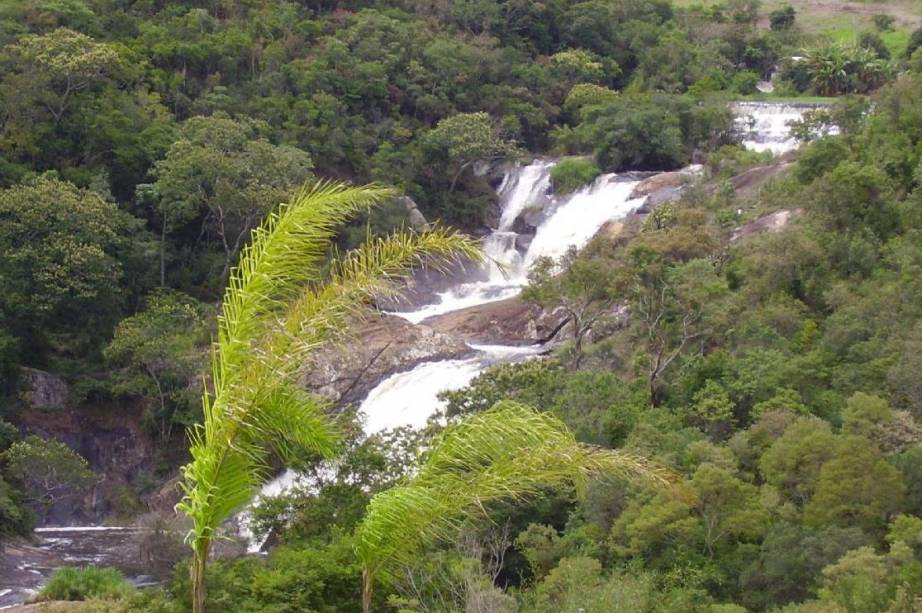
410,398
766,126
567,222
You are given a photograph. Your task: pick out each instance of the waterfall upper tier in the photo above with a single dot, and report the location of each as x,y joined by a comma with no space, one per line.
564,222
766,126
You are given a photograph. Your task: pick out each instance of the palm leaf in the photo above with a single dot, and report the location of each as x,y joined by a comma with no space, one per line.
278,308
509,452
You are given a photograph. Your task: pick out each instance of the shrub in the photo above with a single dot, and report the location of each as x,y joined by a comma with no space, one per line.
746,82
572,173
86,583
884,23
782,19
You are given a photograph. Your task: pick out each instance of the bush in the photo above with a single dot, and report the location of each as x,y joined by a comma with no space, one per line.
745,82
572,173
86,583
782,19
915,42
884,23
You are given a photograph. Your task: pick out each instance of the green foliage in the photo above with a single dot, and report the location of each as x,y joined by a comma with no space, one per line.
50,473
63,249
158,350
570,174
225,176
836,69
316,577
584,95
87,583
857,488
466,138
783,18
277,310
507,451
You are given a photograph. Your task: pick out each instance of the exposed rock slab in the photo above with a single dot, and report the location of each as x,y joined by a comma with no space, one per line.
661,181
749,181
380,345
772,222
43,390
511,321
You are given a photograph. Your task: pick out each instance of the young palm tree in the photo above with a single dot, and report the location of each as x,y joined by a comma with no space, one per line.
509,451
279,306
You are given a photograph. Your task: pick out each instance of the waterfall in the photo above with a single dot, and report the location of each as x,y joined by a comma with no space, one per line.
409,398
766,126
569,221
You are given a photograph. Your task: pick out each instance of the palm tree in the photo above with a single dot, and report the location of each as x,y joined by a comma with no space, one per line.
509,451
279,307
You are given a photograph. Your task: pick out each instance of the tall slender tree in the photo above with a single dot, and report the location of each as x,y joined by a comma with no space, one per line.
279,307
509,451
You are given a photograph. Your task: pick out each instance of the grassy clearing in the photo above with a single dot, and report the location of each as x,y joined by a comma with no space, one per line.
838,19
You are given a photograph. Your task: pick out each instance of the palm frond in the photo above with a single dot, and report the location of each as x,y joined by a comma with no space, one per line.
278,308
509,452
284,254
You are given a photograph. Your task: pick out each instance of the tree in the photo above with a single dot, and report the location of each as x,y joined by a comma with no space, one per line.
55,66
225,174
586,287
278,308
712,409
858,487
64,251
509,451
668,304
158,350
793,462
466,138
48,470
729,509
633,133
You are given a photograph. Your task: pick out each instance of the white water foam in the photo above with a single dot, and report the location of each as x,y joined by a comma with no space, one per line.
410,398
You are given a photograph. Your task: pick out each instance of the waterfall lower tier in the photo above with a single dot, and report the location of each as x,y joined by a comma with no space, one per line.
410,398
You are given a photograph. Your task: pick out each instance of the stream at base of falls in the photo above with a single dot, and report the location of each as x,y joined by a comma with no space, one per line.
410,397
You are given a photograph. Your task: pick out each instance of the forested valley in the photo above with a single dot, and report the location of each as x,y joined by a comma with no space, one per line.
476,305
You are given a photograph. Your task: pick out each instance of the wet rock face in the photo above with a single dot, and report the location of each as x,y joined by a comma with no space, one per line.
415,218
43,390
111,441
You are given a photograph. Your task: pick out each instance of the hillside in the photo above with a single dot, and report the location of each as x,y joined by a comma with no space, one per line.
679,370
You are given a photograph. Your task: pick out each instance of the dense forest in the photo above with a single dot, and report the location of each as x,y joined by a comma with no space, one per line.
729,421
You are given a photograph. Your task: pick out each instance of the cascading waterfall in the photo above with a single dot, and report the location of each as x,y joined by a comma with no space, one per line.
568,222
409,398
